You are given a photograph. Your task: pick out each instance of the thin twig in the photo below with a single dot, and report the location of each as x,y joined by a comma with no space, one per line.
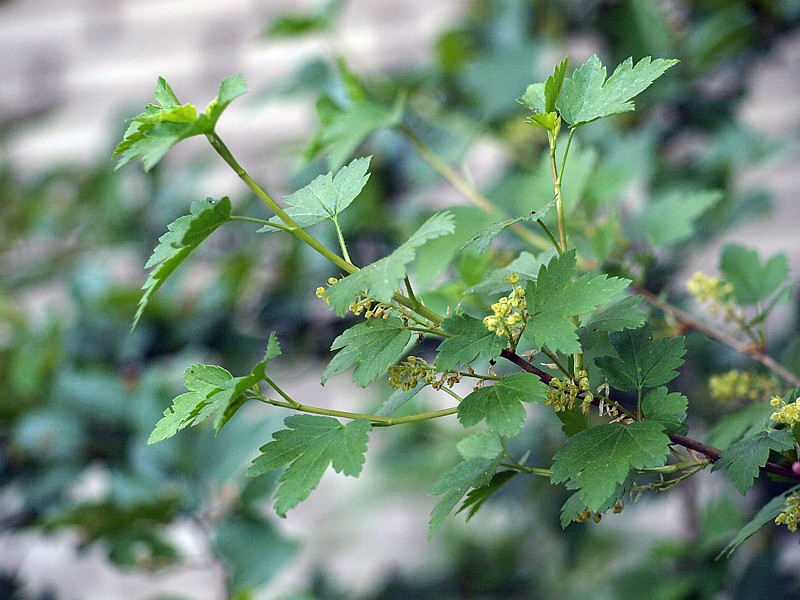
710,452
691,322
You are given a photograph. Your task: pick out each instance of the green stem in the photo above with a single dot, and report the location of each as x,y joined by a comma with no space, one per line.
682,466
410,291
566,153
377,420
556,362
549,235
577,359
437,331
418,308
530,470
340,236
283,394
463,186
259,222
301,234
291,225
562,231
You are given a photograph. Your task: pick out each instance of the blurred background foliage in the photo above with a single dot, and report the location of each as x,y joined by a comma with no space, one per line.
81,394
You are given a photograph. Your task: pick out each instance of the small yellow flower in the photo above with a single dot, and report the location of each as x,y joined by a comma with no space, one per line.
788,414
791,514
714,292
509,312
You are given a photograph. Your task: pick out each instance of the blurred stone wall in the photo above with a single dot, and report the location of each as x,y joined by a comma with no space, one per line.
73,70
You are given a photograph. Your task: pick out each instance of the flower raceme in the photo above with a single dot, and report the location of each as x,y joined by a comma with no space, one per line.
509,313
788,413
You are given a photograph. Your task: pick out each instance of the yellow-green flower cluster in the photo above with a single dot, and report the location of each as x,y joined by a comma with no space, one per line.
791,514
361,305
564,393
740,385
788,414
509,313
713,291
407,375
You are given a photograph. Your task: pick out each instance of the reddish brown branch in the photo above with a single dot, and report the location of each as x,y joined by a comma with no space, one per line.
710,452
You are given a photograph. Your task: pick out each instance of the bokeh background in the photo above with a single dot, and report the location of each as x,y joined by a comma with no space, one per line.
87,510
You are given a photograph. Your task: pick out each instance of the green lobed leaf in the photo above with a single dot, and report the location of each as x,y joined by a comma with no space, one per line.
470,340
398,398
476,497
574,505
643,362
501,404
182,237
554,298
743,459
753,281
481,453
623,314
667,408
483,238
380,279
483,444
308,446
670,219
213,392
373,346
153,132
767,514
600,458
326,196
587,96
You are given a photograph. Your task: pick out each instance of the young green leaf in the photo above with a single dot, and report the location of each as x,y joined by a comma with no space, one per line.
753,281
213,392
541,97
501,404
223,403
743,459
643,362
587,96
470,340
767,514
667,408
308,446
183,236
202,381
373,346
156,130
326,196
601,457
554,298
670,219
380,279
